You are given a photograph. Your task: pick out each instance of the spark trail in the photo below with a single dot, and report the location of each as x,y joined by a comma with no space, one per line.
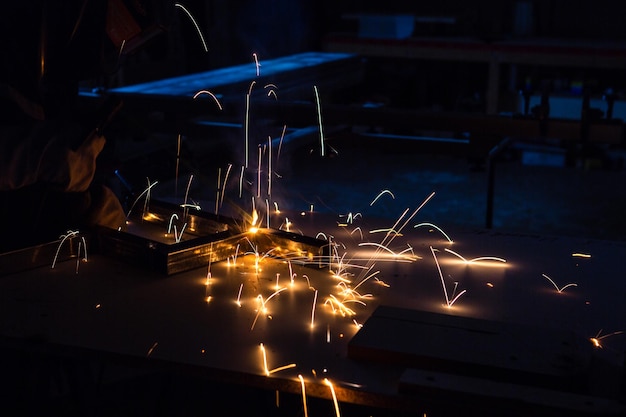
195,24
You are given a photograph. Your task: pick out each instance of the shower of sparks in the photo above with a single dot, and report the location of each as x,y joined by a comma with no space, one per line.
266,369
207,287
190,16
255,217
339,306
426,200
277,286
345,293
597,340
397,256
389,237
218,190
357,229
169,227
154,345
258,180
257,65
286,224
146,202
383,192
559,289
434,226
250,87
263,302
282,368
319,119
332,392
341,277
581,255
145,192
239,295
69,234
230,166
306,411
80,244
178,141
349,219
409,249
372,275
351,300
82,238
280,142
474,260
213,96
191,205
313,310
385,230
332,247
321,235
178,236
208,268
246,128
185,208
449,302
291,273
382,283
119,53
236,254
243,168
351,295
269,169
207,281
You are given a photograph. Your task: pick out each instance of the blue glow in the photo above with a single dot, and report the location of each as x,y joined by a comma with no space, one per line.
188,85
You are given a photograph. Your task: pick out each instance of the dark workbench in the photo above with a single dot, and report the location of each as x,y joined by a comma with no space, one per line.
126,316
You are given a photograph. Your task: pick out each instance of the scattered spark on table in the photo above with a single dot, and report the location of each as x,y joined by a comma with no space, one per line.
154,345
449,300
559,289
332,392
268,371
597,339
306,411
64,237
340,297
480,259
434,226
